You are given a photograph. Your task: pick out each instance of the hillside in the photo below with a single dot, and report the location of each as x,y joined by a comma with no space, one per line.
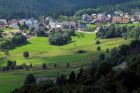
29,8
102,77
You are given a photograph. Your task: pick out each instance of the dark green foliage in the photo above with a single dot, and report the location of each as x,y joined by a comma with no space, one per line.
61,80
23,26
44,66
102,56
98,48
103,69
40,33
68,65
35,8
26,54
97,42
55,65
107,50
30,79
17,39
135,33
72,77
109,32
71,32
1,31
5,44
80,51
59,39
80,74
11,64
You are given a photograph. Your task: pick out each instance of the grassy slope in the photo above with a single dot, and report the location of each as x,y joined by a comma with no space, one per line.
41,52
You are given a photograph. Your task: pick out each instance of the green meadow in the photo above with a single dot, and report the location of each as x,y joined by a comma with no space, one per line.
41,52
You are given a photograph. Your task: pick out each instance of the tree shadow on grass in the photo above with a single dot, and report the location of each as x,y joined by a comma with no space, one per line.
69,42
14,47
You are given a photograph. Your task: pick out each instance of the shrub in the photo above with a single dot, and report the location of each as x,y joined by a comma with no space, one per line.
59,39
44,66
55,65
18,39
107,50
97,42
26,54
68,65
30,79
98,48
80,51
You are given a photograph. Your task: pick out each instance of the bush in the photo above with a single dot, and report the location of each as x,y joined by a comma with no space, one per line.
107,50
30,79
55,65
18,39
44,66
11,64
41,33
80,51
97,42
71,32
68,65
5,44
59,39
26,54
99,48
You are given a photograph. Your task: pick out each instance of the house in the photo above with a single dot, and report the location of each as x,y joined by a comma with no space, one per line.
86,18
125,20
133,19
48,19
21,21
69,25
55,25
30,22
13,23
102,17
118,19
2,27
137,14
127,15
95,21
94,16
40,79
119,13
3,23
83,26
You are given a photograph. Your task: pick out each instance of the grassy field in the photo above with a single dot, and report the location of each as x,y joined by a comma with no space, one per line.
129,24
41,52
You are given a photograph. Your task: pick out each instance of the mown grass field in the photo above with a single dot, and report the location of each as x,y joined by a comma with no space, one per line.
41,52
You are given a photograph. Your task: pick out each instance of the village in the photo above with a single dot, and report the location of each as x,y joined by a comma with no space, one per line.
48,23
82,49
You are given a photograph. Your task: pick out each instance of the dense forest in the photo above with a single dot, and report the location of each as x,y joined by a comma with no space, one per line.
31,8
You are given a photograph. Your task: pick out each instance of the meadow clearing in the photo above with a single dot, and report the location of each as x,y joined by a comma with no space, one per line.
41,52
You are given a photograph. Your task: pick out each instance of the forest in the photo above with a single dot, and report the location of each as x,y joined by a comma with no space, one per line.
35,8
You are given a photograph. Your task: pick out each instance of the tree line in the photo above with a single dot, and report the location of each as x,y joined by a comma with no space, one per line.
34,8
15,40
119,31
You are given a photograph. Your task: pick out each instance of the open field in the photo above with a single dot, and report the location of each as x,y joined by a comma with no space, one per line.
41,52
10,30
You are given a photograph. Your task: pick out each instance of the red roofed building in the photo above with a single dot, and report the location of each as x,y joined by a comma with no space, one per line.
120,20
